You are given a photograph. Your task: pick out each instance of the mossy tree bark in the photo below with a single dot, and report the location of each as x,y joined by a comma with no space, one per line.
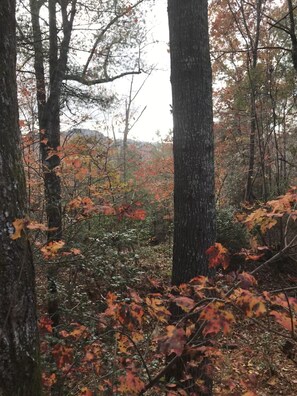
19,351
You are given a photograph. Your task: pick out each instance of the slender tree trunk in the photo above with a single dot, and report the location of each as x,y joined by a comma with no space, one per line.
252,66
293,33
191,79
49,122
125,137
19,356
249,196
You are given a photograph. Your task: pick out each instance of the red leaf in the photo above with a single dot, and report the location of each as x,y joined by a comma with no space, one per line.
138,214
45,324
77,163
174,342
130,384
247,280
185,303
62,355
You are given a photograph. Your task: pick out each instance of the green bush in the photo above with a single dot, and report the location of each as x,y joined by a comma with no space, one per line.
230,233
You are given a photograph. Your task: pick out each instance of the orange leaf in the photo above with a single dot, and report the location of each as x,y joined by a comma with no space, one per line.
253,257
75,251
49,380
284,320
85,392
37,226
218,255
51,249
217,319
252,304
138,214
157,309
18,227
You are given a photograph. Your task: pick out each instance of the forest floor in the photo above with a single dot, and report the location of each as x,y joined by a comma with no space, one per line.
260,360
257,358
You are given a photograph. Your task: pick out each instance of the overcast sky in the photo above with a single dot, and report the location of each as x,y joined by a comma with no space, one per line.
156,92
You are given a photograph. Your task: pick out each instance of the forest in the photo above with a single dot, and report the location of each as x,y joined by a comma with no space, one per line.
135,267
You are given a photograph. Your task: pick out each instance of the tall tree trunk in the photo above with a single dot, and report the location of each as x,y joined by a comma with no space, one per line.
252,67
292,30
49,122
193,150
19,356
249,196
193,147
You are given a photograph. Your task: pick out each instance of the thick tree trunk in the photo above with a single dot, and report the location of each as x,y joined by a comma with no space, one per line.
19,352
193,149
191,79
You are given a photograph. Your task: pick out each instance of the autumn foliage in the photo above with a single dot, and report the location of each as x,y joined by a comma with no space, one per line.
127,337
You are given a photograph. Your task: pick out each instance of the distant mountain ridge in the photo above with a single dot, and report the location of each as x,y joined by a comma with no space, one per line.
93,132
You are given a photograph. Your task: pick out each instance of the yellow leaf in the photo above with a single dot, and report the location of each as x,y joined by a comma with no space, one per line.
52,248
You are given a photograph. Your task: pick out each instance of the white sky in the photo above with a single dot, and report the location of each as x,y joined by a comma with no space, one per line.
156,93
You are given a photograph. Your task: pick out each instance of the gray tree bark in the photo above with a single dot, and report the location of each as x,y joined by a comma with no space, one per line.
193,146
19,352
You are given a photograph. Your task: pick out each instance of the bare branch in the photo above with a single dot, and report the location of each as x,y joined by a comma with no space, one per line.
85,81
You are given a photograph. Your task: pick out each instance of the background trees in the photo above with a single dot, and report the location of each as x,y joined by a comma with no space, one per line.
108,31
19,359
113,267
254,99
63,60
